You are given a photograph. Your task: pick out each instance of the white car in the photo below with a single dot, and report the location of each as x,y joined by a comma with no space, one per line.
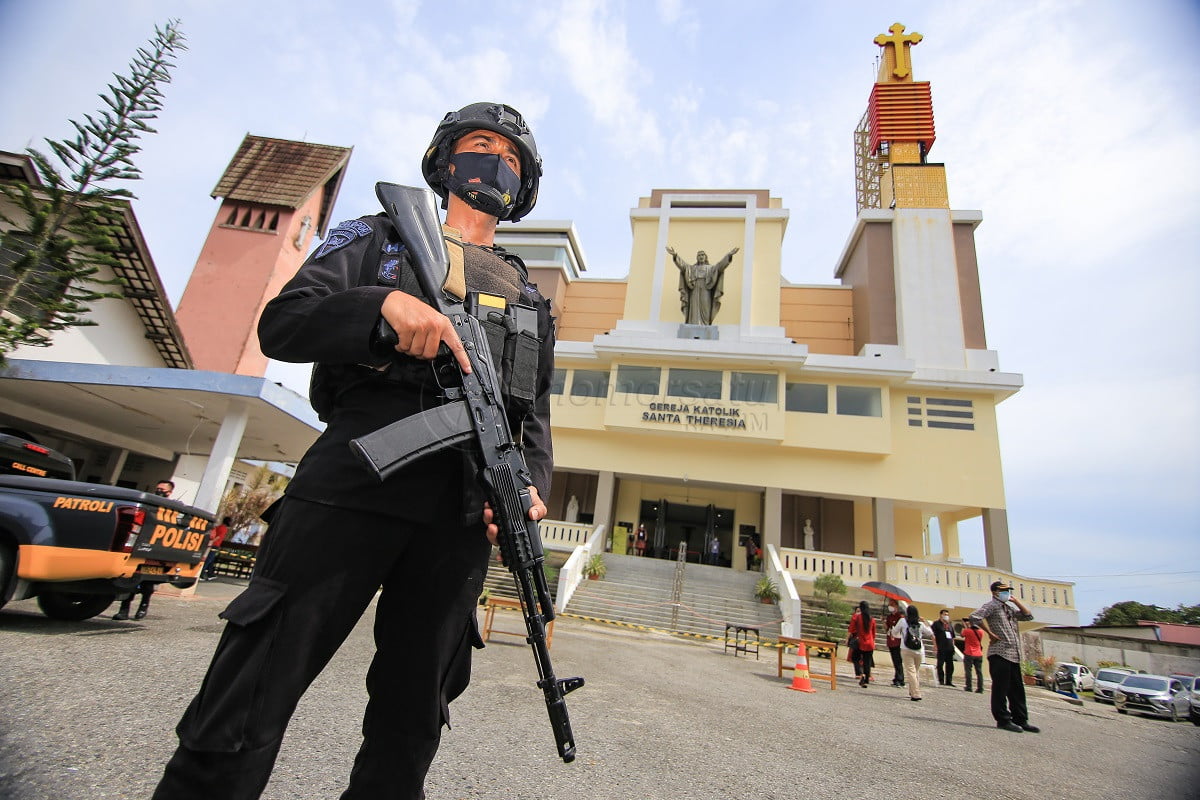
1106,681
1080,675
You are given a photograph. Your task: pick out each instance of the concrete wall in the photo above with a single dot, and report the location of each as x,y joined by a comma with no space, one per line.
1158,658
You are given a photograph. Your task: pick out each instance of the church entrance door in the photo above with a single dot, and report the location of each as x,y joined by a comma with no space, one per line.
668,524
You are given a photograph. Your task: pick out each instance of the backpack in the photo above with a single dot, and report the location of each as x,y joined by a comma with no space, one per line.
912,637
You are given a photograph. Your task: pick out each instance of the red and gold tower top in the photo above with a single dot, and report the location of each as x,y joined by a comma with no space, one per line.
900,126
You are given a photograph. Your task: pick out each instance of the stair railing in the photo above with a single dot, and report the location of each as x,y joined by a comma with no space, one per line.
571,574
677,589
789,598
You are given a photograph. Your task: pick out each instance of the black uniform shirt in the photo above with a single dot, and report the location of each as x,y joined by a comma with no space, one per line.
326,314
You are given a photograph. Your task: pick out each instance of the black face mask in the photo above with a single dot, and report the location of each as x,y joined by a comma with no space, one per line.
485,182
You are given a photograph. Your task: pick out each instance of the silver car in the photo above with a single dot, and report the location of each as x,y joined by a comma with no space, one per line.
1156,695
1191,683
1106,682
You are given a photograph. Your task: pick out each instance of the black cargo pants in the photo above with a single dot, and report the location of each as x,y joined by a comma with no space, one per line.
319,568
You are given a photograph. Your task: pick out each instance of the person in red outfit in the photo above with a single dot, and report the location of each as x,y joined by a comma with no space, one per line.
893,642
862,630
215,539
973,653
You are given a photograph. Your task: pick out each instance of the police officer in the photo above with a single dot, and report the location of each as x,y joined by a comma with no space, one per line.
423,536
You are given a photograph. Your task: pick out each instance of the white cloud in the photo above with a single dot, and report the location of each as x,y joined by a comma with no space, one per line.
1104,437
599,65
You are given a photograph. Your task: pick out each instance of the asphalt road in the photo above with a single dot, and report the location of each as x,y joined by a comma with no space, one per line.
87,711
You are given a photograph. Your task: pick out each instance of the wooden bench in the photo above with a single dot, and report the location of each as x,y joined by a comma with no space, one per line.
489,620
810,646
235,562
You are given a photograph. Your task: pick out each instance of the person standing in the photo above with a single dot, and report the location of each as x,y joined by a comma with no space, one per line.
164,488
999,617
943,638
894,615
973,654
910,630
215,540
640,543
416,543
862,635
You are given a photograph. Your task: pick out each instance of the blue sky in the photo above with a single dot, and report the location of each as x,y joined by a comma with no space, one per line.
1071,125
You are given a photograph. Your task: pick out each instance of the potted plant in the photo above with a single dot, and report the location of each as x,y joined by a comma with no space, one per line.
1029,672
1047,665
594,569
766,590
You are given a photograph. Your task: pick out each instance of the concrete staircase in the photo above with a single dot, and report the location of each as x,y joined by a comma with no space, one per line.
637,591
499,581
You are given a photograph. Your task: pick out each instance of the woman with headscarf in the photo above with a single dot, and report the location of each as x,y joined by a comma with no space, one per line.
910,631
862,638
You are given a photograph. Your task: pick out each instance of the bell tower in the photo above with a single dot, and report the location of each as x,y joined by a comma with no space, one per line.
911,259
275,195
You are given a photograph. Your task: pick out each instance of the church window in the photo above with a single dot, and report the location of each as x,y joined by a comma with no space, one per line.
859,401
701,384
589,383
754,387
638,380
810,397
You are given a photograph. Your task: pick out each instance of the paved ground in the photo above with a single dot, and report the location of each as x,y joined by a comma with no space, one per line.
87,711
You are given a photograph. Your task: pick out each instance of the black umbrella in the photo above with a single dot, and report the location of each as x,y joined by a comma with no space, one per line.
888,590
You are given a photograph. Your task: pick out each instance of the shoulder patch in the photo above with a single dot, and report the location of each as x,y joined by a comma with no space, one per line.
345,233
388,271
392,247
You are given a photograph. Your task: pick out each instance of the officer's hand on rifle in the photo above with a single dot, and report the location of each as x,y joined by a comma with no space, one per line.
536,512
422,329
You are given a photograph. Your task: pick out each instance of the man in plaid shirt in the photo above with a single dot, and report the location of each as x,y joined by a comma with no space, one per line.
999,617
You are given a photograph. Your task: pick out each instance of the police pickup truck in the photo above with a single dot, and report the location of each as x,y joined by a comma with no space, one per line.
76,546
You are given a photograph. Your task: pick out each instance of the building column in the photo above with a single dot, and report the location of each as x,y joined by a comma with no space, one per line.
949,530
224,453
996,544
772,521
883,531
602,511
117,463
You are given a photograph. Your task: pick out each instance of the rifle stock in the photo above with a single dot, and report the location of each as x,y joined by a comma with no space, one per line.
475,412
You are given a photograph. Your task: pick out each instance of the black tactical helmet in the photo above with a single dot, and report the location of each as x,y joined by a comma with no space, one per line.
504,120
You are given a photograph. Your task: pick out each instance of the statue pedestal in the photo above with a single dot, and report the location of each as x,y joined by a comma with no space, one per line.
687,331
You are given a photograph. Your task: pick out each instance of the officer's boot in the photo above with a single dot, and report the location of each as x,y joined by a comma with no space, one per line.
123,611
143,607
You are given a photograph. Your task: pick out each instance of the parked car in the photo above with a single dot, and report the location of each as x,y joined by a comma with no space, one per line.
1156,695
1106,681
1191,683
1080,676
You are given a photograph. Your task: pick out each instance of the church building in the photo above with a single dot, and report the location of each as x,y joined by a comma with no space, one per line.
846,428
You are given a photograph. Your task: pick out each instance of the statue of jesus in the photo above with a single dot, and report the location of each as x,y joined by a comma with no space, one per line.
701,286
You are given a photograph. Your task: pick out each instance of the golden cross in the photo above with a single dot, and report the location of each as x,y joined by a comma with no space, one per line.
900,42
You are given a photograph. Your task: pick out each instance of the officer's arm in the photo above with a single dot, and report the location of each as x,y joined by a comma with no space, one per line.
535,432
421,328
328,310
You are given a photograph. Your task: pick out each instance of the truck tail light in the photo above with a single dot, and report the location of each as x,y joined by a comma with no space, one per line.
129,525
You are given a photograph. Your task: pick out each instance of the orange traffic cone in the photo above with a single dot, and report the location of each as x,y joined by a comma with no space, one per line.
800,680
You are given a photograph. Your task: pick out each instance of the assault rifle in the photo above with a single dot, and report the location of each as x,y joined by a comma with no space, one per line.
474,410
